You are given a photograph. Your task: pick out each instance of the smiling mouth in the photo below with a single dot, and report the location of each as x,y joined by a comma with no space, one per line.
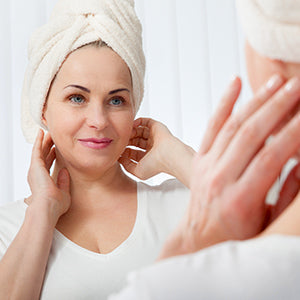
95,143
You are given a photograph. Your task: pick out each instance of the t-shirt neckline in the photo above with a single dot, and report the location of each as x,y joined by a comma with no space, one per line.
141,206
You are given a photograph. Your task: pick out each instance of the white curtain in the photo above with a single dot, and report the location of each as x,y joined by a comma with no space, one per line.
192,48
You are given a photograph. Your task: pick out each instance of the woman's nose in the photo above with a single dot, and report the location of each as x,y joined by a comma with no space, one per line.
97,117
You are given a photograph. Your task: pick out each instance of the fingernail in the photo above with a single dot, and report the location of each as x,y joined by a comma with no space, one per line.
274,82
233,78
232,86
293,85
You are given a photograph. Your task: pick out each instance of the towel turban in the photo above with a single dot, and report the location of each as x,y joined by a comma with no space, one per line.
272,27
74,23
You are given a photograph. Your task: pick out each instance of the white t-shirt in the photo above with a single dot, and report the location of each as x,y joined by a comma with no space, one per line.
265,268
75,273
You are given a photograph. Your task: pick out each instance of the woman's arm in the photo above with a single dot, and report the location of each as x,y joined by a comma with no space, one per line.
158,151
23,266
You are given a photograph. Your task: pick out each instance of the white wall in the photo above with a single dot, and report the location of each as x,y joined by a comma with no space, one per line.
192,48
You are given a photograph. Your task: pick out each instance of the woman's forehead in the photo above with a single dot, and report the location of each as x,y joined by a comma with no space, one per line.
94,64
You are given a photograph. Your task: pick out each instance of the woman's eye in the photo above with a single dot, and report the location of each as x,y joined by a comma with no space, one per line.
76,99
116,101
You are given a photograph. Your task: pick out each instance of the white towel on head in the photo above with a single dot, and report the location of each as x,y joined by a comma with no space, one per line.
272,27
74,23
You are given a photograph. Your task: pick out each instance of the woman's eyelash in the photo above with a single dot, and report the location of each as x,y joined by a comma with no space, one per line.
114,101
120,101
77,99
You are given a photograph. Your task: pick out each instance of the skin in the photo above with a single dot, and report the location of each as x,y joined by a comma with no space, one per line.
155,141
94,114
260,68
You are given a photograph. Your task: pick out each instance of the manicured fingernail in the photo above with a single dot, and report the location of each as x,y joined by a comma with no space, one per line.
293,85
274,82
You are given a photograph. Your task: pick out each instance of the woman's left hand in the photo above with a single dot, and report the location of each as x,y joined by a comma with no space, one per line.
158,151
235,168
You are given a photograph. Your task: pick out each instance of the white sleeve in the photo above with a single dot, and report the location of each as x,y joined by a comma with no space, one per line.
265,268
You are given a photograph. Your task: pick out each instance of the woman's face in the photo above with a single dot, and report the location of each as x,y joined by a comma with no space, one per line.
89,112
259,68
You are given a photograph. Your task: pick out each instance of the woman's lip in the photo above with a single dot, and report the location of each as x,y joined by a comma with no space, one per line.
94,143
96,140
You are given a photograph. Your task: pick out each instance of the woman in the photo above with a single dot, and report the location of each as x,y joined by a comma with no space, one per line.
83,229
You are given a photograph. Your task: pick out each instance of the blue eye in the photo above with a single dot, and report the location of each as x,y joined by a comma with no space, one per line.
76,99
116,101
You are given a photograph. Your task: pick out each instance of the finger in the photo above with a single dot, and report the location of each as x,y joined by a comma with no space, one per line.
287,194
145,122
36,150
63,180
139,142
129,165
50,159
267,164
234,123
141,132
133,154
254,132
47,145
222,113
142,124
286,119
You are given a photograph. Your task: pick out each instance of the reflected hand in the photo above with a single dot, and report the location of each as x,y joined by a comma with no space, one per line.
235,168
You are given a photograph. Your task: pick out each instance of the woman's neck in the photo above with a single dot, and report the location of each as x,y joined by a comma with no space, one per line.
90,189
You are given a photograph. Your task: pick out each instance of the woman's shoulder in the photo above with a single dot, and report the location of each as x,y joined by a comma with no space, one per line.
12,212
13,205
11,219
166,202
165,194
261,268
167,186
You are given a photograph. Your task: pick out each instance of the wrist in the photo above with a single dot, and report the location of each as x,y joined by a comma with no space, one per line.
177,160
43,214
171,154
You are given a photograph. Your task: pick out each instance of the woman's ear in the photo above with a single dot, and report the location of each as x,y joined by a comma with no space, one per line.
44,121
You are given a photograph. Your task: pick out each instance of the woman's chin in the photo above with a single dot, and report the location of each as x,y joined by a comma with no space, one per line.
95,168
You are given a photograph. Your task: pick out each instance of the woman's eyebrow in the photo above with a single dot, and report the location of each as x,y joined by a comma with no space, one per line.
118,90
88,91
79,87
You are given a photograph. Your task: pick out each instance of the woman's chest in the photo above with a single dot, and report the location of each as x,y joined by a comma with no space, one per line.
100,230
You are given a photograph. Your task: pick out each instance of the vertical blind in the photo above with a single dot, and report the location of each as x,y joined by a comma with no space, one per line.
192,47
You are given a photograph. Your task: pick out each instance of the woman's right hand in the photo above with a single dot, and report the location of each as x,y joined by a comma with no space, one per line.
46,194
